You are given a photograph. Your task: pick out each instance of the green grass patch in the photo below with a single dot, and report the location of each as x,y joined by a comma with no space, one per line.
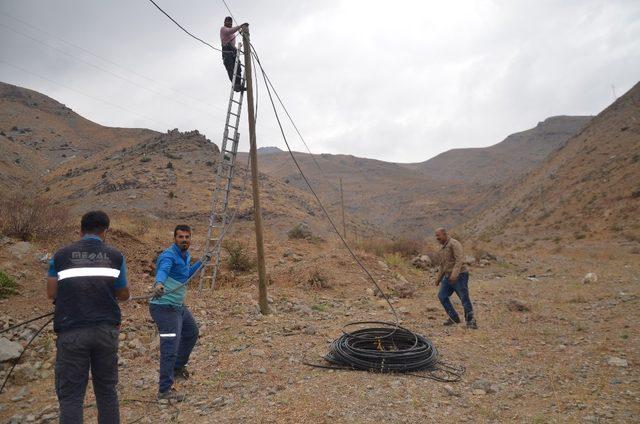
8,286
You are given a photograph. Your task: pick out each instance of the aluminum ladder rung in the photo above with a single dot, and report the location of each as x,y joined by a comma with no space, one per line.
223,184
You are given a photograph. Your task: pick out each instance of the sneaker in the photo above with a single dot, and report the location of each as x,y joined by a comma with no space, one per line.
181,373
472,324
171,395
451,322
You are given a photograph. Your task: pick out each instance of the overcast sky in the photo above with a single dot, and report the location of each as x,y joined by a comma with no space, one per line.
398,81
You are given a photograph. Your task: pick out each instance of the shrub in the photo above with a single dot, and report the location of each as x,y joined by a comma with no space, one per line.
238,259
394,259
318,279
145,159
171,195
379,247
27,216
300,231
8,286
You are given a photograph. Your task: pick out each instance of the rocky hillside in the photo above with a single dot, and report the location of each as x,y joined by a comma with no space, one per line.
589,189
411,200
38,133
46,147
511,158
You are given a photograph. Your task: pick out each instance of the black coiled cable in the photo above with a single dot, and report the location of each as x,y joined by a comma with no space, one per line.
388,348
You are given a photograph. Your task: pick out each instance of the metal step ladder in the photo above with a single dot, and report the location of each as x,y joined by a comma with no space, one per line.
219,218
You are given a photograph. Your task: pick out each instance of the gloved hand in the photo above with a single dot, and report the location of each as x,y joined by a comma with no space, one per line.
206,257
158,291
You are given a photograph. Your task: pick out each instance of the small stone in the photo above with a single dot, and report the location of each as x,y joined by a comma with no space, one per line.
9,350
590,278
219,401
516,305
479,392
617,362
449,390
262,370
310,330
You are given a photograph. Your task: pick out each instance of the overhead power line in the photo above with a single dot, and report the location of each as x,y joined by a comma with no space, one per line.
163,84
20,68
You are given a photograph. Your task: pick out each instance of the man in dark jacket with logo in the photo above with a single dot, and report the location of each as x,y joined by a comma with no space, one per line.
86,280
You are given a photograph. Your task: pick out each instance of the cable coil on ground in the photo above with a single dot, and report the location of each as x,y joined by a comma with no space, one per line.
388,348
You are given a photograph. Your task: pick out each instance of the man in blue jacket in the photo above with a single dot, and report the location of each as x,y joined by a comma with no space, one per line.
177,327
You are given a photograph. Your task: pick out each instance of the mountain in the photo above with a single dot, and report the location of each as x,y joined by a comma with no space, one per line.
588,189
268,149
38,133
511,158
411,200
46,147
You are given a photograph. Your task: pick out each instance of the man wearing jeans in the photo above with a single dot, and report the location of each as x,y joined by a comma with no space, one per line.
177,327
86,280
229,50
454,277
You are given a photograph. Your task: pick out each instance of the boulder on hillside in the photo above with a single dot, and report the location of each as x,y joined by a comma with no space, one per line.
422,262
300,231
402,288
590,278
9,350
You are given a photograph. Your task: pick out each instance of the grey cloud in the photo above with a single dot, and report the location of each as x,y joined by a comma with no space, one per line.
398,81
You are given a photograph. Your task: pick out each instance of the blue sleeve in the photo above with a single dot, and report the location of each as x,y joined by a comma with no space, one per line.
121,281
52,269
163,267
194,268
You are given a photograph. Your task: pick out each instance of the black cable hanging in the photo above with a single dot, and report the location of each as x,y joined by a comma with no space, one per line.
386,347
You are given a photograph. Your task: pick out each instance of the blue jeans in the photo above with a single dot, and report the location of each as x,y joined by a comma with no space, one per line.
461,288
178,335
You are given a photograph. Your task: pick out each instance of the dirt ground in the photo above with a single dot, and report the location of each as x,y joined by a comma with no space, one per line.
549,348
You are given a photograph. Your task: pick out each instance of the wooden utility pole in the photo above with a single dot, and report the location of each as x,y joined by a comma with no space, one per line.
253,151
344,225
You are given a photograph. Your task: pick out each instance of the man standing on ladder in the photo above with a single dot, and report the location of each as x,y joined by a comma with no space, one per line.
229,50
177,327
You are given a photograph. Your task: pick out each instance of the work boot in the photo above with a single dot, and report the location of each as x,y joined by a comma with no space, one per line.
171,395
471,324
181,373
451,322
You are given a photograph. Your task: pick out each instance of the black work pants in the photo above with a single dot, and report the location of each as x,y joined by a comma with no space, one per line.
229,54
78,351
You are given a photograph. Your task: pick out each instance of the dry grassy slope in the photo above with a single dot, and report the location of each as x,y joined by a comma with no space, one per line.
412,200
84,165
511,158
590,185
171,176
38,133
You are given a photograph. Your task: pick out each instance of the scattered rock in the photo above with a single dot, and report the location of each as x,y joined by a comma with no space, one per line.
9,350
450,391
515,305
422,262
469,260
590,278
20,248
402,288
617,362
300,231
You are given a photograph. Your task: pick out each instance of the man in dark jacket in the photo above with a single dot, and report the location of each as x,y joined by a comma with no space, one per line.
86,280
